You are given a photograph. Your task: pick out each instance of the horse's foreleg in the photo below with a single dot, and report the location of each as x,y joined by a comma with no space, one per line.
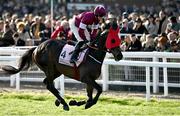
89,90
55,92
99,91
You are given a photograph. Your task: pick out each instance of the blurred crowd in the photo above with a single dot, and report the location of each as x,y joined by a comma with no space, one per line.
146,28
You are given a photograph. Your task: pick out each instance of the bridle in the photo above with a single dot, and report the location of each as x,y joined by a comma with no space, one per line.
96,48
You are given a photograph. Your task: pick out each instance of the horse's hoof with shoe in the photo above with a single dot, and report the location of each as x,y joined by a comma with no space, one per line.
57,102
89,104
75,103
66,107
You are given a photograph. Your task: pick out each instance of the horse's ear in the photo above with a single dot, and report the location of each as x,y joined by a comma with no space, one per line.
114,25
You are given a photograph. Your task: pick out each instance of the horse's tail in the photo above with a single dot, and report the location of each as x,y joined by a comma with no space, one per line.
24,63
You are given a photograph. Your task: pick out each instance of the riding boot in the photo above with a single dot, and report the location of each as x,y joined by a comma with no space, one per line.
75,53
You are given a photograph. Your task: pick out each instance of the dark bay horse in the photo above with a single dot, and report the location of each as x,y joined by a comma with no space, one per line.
46,56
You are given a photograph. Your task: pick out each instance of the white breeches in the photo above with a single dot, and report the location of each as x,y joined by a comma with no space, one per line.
75,29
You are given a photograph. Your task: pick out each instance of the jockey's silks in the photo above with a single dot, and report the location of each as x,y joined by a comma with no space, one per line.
113,39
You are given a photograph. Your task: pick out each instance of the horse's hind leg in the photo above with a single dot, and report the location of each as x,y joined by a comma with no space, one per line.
55,92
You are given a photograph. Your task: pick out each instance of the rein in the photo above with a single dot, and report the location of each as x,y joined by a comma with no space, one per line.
96,48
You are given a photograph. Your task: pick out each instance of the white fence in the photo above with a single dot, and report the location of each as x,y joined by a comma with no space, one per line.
10,56
146,65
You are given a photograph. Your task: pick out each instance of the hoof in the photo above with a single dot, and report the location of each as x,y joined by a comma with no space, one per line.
81,103
57,102
66,107
75,103
89,104
72,103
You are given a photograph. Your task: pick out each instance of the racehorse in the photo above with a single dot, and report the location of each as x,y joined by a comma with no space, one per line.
46,56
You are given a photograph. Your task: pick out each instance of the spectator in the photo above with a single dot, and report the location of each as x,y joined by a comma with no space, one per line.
13,22
124,27
107,23
139,28
124,15
133,16
173,25
7,17
111,16
18,40
46,33
163,21
174,47
161,41
148,44
151,25
57,24
62,31
36,27
7,39
125,43
172,42
28,20
135,44
22,33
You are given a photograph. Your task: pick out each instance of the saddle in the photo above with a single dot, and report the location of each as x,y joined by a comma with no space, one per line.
66,53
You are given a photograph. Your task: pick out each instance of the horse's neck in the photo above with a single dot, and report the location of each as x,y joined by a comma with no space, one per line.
98,55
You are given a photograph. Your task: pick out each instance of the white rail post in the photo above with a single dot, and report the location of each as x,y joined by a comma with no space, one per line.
126,71
165,79
57,83
147,83
155,77
62,85
105,77
13,77
17,81
12,80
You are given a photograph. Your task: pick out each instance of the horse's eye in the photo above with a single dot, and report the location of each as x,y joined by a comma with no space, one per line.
113,41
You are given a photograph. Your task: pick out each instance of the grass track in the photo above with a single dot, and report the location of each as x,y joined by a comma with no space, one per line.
35,104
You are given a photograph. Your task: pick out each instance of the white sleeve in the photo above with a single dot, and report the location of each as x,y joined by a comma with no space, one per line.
82,26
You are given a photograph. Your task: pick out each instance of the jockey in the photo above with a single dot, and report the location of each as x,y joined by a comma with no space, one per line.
78,26
62,30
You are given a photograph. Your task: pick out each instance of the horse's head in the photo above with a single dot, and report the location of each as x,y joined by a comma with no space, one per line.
110,41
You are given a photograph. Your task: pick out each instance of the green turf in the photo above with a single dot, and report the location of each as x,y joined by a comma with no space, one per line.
34,104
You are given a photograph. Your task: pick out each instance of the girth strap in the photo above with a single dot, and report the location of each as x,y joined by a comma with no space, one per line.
76,72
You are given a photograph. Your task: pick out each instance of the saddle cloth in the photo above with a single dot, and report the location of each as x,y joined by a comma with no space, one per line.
66,53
